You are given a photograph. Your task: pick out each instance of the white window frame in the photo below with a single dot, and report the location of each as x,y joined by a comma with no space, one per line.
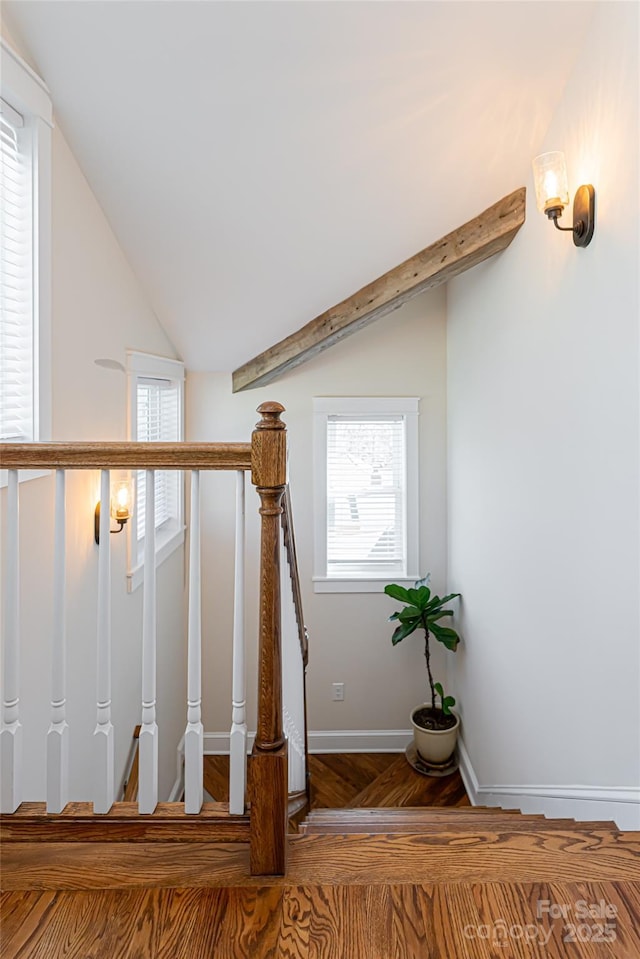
26,93
324,407
171,536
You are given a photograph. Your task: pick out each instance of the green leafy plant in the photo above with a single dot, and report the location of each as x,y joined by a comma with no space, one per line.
424,610
447,701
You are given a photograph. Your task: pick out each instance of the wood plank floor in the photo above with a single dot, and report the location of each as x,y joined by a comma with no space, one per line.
337,778
293,921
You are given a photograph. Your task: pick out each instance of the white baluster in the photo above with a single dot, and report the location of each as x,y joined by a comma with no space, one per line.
194,735
104,734
238,737
148,741
58,734
11,733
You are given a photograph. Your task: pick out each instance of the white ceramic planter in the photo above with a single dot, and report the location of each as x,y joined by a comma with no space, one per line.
435,745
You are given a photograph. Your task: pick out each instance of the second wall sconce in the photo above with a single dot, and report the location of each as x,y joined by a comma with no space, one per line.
552,195
121,507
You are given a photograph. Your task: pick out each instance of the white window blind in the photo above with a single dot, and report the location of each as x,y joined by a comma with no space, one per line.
16,280
158,420
366,496
366,492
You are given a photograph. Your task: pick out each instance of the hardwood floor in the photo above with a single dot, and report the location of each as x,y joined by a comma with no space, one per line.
378,779
357,779
435,879
370,921
337,778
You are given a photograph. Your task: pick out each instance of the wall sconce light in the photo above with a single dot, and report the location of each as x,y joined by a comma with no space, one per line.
121,507
552,194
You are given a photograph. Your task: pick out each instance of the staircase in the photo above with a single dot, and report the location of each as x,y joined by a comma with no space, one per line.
398,879
361,883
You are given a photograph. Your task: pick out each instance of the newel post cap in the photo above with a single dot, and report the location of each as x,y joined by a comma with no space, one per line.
270,412
269,448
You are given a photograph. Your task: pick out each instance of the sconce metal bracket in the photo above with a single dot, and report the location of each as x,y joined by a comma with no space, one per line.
96,527
584,215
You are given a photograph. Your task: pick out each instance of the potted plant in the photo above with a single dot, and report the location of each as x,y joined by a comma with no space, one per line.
435,728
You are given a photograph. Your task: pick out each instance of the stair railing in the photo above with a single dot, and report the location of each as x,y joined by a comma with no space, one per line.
266,457
296,658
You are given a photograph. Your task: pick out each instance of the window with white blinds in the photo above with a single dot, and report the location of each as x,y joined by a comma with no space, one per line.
156,405
366,490
158,421
26,119
366,503
16,280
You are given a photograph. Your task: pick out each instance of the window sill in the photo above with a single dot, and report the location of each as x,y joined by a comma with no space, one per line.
164,548
322,584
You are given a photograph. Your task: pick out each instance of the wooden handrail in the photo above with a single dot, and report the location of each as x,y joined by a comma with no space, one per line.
127,456
290,546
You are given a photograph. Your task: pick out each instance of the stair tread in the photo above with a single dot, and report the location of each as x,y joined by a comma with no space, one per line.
442,827
391,822
367,812
424,818
490,822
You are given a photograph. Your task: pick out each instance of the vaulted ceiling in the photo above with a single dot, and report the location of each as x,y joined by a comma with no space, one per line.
260,161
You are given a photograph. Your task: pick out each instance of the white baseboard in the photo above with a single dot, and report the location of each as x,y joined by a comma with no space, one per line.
620,804
328,741
359,740
217,744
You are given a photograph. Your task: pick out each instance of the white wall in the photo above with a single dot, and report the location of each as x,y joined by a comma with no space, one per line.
543,459
402,354
98,311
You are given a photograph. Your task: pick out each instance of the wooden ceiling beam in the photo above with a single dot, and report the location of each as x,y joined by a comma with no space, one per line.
475,241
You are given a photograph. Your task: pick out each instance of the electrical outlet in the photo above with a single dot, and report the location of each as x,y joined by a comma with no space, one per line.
337,690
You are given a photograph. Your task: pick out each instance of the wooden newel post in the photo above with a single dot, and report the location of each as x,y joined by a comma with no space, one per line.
267,772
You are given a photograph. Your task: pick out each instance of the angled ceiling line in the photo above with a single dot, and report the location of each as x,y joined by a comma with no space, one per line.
458,251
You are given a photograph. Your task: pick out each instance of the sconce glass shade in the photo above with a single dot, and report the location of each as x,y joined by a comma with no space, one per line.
122,500
120,507
550,178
